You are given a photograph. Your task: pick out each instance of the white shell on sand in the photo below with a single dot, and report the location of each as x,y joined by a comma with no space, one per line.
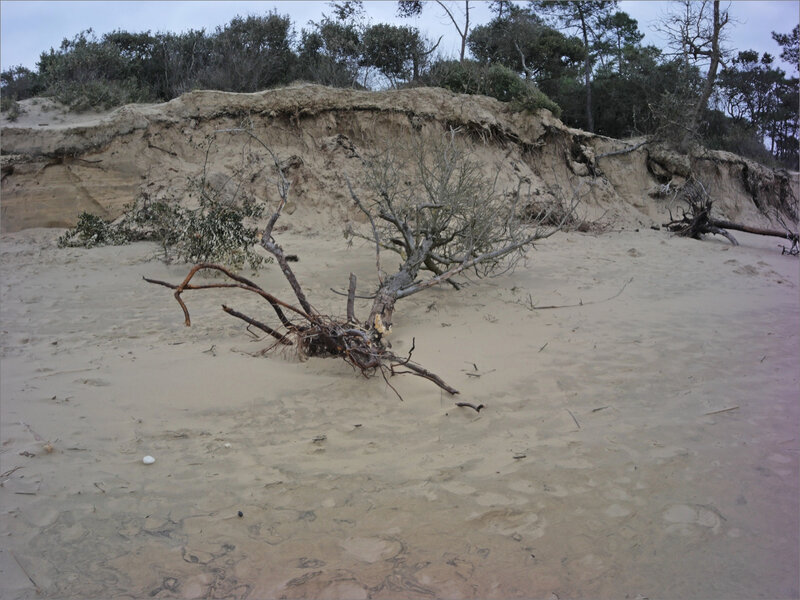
148,460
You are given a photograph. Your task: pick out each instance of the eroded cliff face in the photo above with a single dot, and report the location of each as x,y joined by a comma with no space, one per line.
55,166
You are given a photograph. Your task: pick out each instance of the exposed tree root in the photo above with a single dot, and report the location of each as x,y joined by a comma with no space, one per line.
696,219
313,334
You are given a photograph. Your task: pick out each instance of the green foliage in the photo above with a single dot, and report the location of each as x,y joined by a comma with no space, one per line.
87,73
214,232
92,231
502,83
330,54
97,94
588,18
535,99
762,101
617,34
18,83
395,51
790,46
627,102
495,81
521,41
720,132
10,107
249,54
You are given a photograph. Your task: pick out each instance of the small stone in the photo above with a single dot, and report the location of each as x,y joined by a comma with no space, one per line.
148,460
241,514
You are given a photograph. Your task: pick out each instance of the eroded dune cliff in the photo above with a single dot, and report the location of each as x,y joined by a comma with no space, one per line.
54,166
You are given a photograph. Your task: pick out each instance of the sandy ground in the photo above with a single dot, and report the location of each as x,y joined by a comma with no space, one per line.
46,112
640,445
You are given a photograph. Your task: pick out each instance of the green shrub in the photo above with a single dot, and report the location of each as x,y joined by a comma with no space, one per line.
88,73
18,83
454,76
92,231
502,83
96,95
534,99
11,107
495,81
214,232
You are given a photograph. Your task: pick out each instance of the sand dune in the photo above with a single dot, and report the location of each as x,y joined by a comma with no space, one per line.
641,445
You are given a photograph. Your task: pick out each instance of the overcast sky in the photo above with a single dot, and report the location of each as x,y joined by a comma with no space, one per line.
27,28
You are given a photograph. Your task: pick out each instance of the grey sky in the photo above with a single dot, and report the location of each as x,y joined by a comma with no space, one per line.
28,28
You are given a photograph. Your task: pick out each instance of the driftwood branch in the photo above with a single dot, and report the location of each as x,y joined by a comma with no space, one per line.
262,326
622,289
787,235
471,405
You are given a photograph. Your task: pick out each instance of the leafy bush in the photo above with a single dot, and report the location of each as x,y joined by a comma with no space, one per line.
495,81
213,232
87,73
502,83
19,83
458,77
92,231
534,99
10,107
97,94
216,233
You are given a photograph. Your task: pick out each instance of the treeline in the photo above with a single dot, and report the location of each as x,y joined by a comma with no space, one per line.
583,60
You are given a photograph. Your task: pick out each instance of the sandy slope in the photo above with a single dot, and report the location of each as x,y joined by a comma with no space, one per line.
595,470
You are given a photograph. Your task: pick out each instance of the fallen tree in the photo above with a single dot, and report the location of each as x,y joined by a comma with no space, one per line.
696,219
451,220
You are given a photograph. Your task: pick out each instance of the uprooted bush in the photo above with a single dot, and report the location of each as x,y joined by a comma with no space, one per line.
91,231
215,231
215,221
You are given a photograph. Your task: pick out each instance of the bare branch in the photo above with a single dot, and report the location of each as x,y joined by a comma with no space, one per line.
351,297
375,233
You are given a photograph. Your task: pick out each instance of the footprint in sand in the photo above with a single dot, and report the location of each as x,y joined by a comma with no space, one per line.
684,519
749,270
371,550
93,382
617,511
511,522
